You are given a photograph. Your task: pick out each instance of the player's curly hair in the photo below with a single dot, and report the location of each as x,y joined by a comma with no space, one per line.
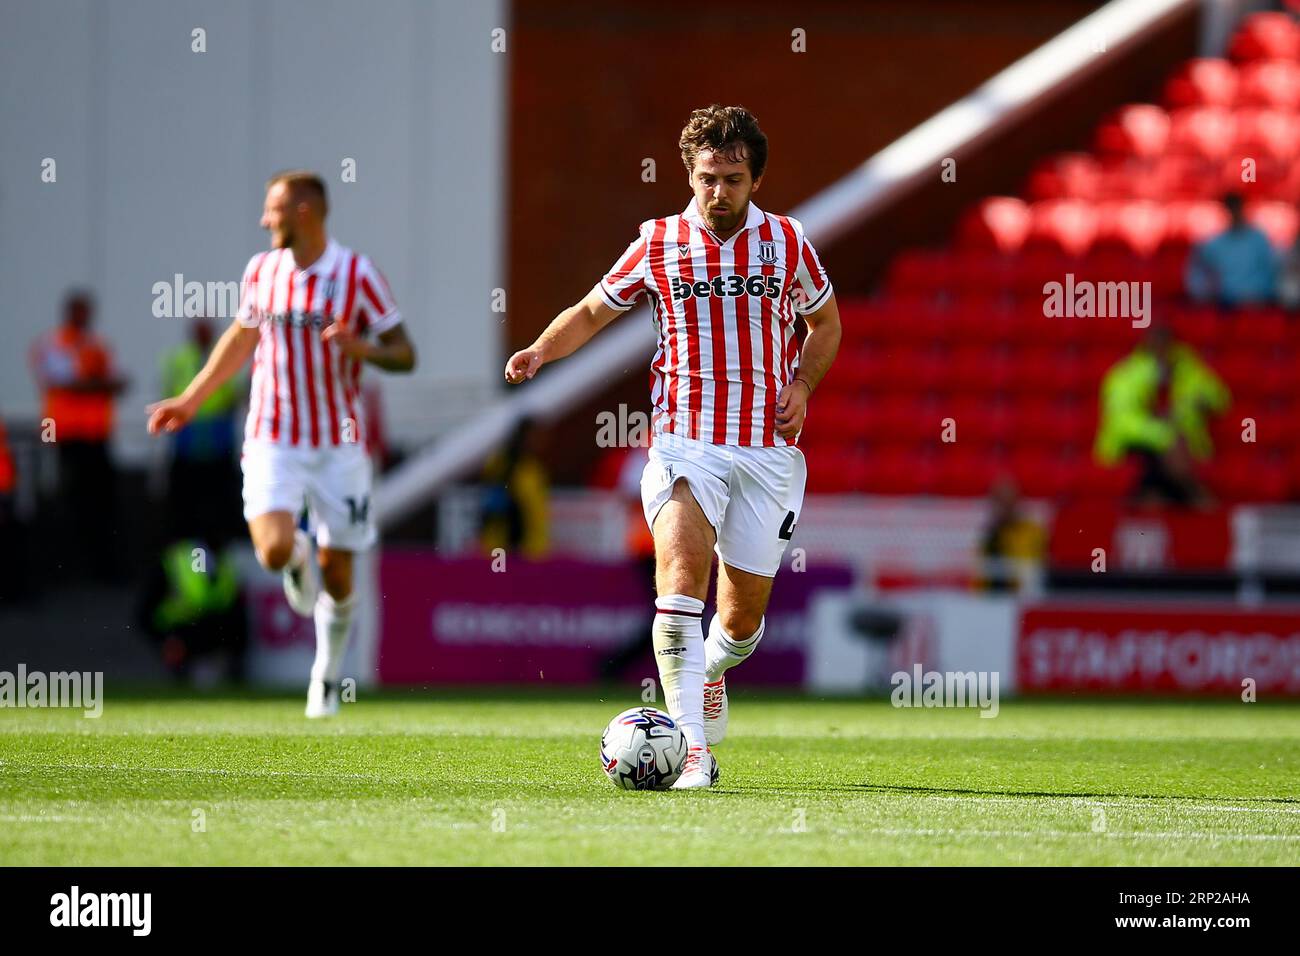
731,131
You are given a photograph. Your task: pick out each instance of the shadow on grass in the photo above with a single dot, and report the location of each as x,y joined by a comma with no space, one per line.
900,789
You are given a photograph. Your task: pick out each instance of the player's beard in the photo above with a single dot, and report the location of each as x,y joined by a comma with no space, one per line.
282,239
728,222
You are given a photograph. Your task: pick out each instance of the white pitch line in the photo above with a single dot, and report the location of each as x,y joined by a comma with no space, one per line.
1181,836
1038,834
1171,802
210,771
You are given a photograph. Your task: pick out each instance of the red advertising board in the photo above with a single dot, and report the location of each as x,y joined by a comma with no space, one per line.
1138,540
1121,649
554,621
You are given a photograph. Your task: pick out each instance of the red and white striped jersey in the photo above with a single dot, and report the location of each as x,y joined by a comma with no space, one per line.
725,313
305,391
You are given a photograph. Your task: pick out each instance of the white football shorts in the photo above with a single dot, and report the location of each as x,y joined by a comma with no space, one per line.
334,483
751,495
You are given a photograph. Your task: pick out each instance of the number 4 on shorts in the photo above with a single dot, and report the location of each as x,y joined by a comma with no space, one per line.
787,527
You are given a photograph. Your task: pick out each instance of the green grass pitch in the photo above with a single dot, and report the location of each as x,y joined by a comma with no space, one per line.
461,778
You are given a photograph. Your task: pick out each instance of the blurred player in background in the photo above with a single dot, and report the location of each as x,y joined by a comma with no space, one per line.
74,370
730,388
311,313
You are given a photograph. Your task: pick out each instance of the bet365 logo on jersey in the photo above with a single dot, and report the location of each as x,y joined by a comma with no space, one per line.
732,285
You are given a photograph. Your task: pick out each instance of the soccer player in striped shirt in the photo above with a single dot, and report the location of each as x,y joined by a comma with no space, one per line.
730,385
311,313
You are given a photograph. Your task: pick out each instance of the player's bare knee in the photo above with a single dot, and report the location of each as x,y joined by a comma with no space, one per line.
739,623
677,574
339,591
336,578
337,585
274,555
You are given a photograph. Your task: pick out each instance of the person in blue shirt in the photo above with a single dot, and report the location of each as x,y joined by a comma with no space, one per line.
1238,267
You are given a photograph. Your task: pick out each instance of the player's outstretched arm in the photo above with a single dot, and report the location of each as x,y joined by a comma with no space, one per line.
228,357
568,332
819,348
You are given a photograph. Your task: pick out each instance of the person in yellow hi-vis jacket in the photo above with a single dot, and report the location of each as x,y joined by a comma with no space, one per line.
192,606
1154,404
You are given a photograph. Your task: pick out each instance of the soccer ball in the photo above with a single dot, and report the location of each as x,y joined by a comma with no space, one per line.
643,749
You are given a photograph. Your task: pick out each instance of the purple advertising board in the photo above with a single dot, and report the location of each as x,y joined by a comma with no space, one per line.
458,621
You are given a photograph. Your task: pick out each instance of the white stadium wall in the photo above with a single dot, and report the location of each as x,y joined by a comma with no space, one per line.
161,153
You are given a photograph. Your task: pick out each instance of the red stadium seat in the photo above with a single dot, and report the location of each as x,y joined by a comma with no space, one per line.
1268,330
1159,179
1097,361
1266,135
1199,326
1256,176
908,368
1065,176
1255,475
859,316
963,334
1276,424
911,318
1265,36
999,223
1036,423
1059,332
898,471
1113,260
857,369
1036,267
964,471
920,271
974,321
1168,267
1041,473
1252,375
1065,225
1273,84
839,472
1191,221
1205,81
1137,226
1093,481
1061,423
838,414
1139,129
1175,176
981,274
1277,219
981,420
979,369
1293,473
1204,131
904,419
1043,372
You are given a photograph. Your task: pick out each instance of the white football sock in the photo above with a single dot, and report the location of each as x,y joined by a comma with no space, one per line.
679,652
333,624
300,554
722,650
